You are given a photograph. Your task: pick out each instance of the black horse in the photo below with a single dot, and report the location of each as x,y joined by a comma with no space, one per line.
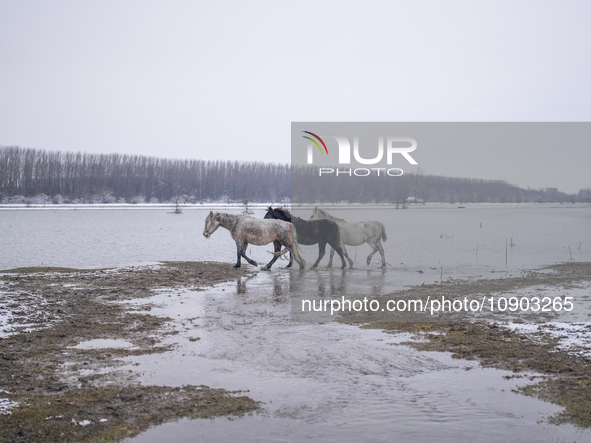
312,232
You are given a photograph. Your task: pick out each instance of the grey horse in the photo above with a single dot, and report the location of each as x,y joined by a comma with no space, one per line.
246,230
355,234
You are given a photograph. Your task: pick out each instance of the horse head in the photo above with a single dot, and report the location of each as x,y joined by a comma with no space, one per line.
282,214
212,222
269,213
315,214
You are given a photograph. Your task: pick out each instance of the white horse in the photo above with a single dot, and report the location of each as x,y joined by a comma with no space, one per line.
355,234
245,229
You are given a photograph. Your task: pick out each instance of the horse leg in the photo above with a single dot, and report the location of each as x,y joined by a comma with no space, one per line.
290,257
252,262
239,253
336,247
375,249
321,252
277,246
344,248
379,243
289,245
329,265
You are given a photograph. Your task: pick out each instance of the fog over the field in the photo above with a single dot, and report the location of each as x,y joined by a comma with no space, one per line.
224,80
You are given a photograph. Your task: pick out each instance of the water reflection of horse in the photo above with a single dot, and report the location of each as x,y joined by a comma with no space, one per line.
313,232
356,233
247,230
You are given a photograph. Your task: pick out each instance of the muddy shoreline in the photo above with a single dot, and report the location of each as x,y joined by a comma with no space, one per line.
70,394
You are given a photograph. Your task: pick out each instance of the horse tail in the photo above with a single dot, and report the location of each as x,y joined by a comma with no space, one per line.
384,236
338,236
295,247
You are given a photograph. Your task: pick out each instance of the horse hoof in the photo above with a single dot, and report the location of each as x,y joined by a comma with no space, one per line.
235,267
265,268
254,263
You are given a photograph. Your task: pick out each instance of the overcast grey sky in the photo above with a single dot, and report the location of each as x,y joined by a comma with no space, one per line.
224,80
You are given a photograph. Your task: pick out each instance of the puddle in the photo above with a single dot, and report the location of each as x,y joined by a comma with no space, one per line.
328,382
103,344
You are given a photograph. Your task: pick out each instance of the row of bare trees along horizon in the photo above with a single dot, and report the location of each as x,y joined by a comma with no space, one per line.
36,175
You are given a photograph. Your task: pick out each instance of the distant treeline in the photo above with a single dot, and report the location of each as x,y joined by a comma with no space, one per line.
39,176
105,178
418,187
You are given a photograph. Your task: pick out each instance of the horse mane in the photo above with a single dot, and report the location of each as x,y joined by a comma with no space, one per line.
225,217
284,212
330,216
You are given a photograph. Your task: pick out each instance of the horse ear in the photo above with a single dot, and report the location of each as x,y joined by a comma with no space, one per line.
270,208
210,212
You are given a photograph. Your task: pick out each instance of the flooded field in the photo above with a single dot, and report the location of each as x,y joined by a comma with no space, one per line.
466,242
318,381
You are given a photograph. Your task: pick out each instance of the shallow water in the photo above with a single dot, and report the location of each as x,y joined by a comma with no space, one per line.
426,238
328,382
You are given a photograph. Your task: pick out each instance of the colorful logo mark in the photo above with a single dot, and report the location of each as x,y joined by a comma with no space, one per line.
315,142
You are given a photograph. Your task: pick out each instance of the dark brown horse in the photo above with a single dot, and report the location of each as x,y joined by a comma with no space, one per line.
313,232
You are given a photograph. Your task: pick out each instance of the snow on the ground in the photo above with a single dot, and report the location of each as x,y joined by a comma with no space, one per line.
6,405
23,314
6,317
574,337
